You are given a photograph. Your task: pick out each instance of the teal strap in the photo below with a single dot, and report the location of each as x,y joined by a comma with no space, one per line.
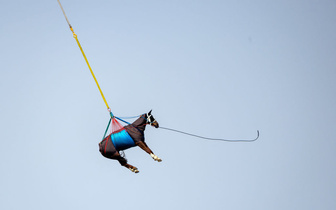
111,114
108,125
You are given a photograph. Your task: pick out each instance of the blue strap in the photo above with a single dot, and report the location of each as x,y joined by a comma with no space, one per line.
132,117
122,120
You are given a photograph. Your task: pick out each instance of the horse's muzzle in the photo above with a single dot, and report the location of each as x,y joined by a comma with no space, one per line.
155,124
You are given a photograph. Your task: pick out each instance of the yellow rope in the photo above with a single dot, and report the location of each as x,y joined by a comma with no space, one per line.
86,60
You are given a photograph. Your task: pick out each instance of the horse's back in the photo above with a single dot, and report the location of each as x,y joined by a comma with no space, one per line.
136,134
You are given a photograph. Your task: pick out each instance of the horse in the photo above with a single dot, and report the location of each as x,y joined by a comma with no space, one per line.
135,131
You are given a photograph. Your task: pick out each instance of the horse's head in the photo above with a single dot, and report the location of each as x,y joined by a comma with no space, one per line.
151,120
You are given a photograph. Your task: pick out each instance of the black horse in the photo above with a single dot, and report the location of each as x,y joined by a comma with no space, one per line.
136,132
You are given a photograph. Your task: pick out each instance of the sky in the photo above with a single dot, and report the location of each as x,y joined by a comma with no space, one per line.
218,68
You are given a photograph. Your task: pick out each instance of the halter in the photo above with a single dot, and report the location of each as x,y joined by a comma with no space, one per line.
148,120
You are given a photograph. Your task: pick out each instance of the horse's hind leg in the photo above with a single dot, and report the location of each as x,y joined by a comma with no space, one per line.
123,162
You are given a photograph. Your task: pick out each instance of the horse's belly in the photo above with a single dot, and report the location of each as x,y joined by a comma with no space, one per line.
122,140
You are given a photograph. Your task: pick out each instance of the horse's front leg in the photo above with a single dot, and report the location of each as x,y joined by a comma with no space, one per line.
144,147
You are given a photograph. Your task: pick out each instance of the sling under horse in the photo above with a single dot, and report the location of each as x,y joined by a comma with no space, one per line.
124,137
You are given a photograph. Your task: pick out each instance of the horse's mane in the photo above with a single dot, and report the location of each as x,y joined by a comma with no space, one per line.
140,123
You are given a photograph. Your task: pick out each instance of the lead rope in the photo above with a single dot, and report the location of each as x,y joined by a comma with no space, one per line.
212,139
86,60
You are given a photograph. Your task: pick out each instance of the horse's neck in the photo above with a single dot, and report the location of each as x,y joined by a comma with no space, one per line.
140,123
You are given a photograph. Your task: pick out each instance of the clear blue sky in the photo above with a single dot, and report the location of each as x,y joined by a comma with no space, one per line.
216,68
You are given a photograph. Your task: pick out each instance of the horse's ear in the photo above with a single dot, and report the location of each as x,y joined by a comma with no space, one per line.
150,112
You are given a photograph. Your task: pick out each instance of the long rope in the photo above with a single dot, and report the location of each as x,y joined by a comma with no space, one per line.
86,60
212,139
64,13
108,108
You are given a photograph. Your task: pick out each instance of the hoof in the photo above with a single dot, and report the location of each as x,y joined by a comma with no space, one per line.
156,158
135,170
